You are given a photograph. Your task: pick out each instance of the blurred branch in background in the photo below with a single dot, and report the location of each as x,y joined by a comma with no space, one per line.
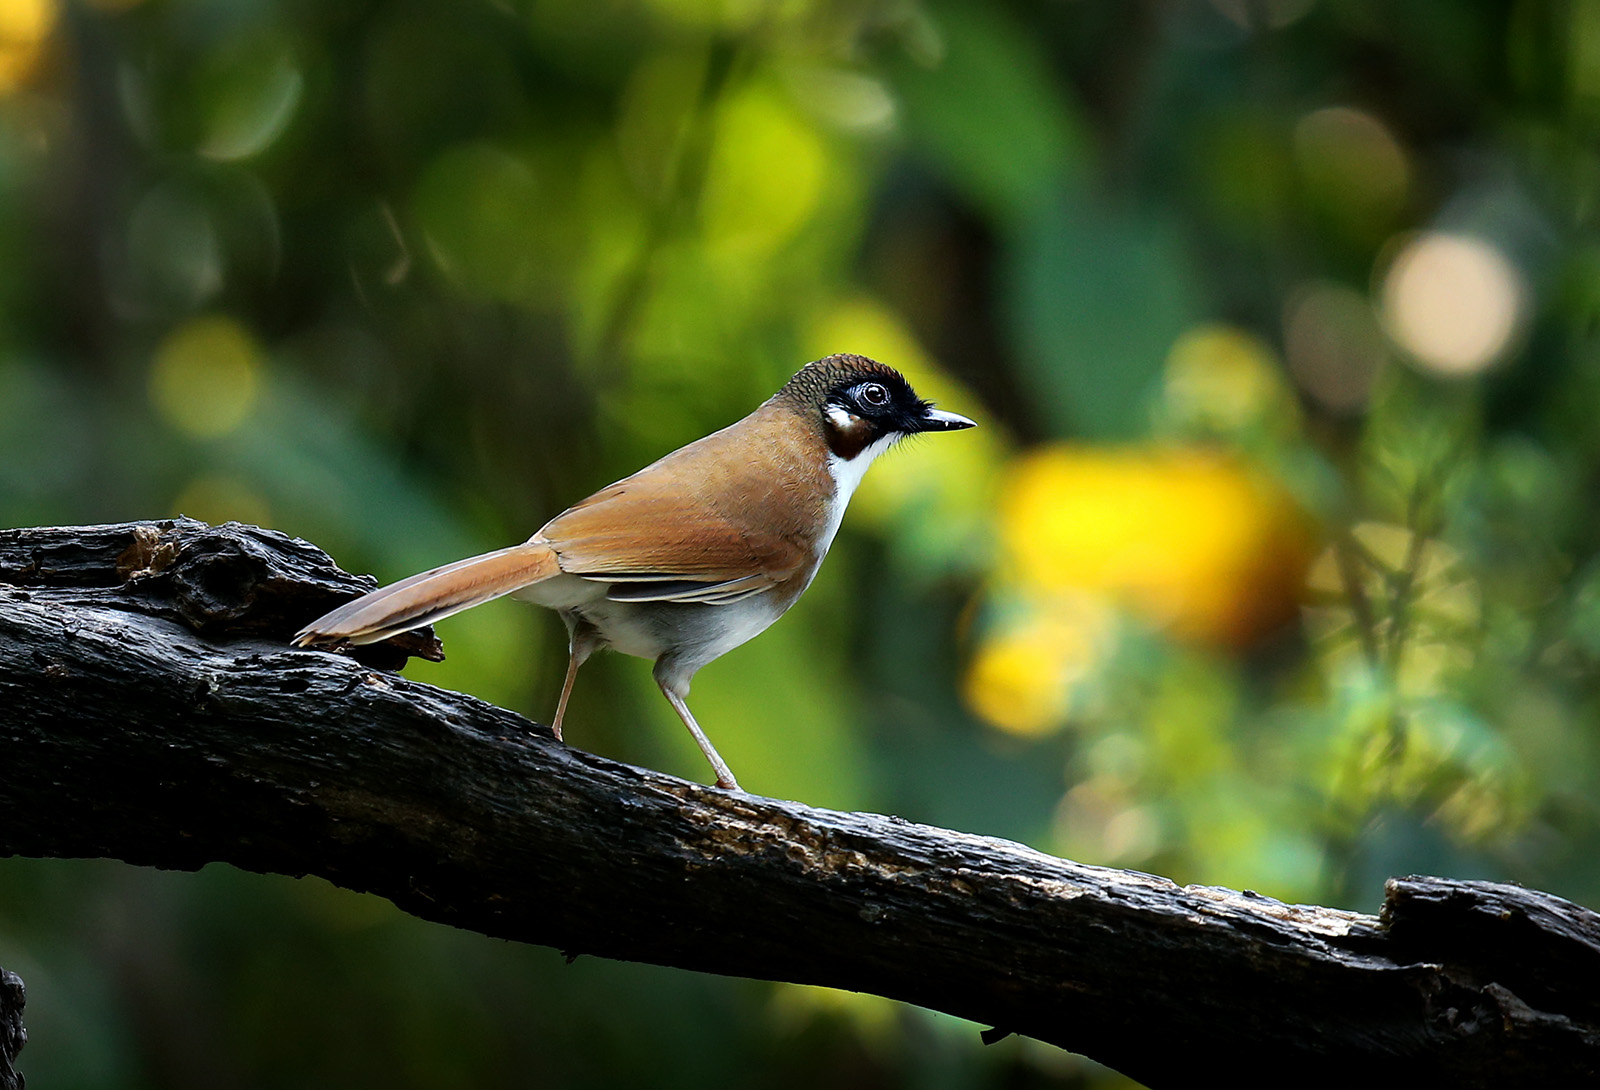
130,737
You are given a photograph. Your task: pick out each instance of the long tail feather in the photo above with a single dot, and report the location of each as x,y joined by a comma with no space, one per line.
431,596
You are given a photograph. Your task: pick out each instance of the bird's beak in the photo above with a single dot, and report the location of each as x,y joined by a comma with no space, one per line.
939,420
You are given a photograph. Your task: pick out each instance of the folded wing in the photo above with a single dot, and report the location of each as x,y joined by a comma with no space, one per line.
722,533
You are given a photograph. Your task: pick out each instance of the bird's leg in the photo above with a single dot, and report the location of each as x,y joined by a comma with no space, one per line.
718,765
580,645
566,691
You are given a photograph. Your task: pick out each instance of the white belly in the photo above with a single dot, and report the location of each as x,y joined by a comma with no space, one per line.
696,633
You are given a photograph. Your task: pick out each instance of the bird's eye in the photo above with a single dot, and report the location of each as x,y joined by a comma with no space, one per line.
875,395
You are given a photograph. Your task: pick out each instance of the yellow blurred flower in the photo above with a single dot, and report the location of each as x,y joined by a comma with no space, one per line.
25,27
1190,539
1023,677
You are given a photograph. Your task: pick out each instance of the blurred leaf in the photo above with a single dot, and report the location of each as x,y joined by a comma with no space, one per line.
765,176
251,90
205,376
990,111
477,209
1096,298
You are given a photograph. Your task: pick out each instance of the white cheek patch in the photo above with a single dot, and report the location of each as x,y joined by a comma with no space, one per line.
842,420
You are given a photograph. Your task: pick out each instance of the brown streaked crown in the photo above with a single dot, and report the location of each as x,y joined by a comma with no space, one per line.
811,385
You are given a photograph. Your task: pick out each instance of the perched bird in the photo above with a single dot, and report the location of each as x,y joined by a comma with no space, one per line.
692,555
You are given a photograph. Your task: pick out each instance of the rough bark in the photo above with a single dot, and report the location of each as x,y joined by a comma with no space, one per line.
12,1033
151,712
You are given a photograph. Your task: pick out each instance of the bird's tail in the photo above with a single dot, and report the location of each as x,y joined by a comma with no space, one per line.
431,596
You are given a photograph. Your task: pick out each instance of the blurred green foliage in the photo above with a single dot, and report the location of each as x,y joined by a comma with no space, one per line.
1274,563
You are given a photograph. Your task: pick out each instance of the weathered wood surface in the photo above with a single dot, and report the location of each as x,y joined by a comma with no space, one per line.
12,1034
150,711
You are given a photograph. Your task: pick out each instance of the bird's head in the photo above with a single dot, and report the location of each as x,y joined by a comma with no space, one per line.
861,405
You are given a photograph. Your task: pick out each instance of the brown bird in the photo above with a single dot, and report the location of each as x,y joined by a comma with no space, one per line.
692,555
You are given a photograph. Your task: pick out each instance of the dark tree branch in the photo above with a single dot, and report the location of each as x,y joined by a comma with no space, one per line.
12,1033
150,711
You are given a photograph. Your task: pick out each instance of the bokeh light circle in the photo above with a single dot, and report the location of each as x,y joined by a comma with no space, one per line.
1453,302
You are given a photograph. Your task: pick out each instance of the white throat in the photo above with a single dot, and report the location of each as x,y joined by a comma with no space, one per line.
847,474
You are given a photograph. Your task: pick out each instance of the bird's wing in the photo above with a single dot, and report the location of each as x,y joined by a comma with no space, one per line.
661,544
705,524
720,593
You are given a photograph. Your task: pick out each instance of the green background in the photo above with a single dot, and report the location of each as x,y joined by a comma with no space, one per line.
1273,563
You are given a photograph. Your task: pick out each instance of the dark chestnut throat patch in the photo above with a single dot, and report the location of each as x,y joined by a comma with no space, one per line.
849,439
